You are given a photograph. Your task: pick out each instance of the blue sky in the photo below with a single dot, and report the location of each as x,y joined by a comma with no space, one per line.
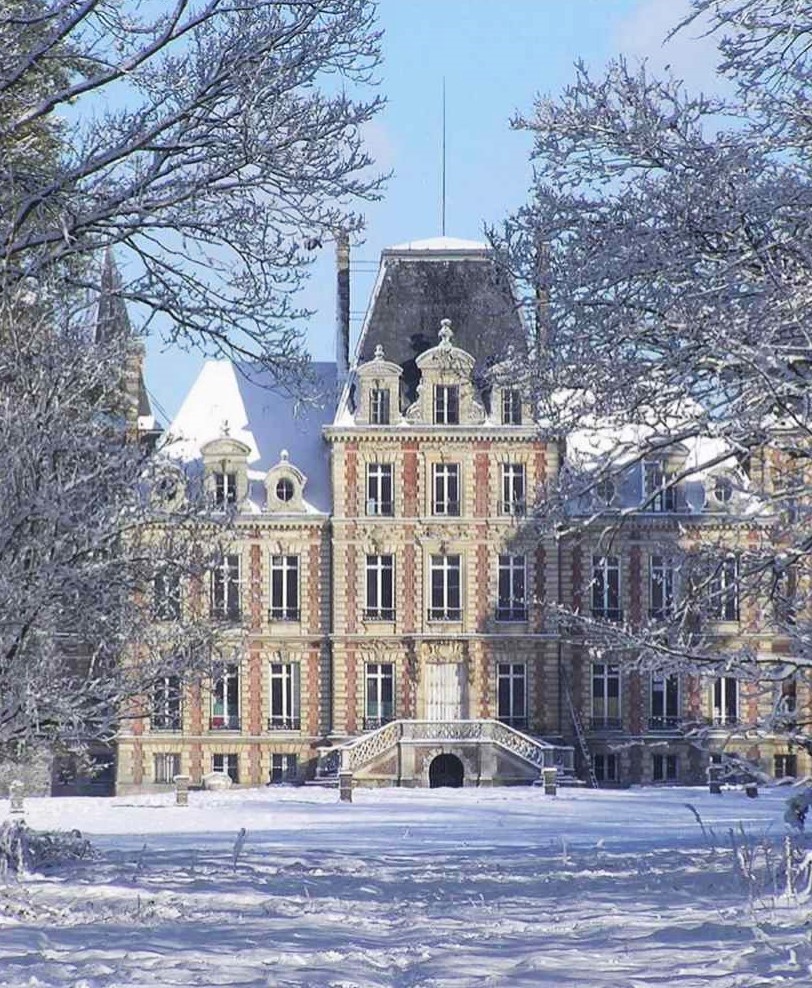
496,56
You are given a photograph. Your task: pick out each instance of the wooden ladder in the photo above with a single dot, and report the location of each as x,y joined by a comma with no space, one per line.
583,747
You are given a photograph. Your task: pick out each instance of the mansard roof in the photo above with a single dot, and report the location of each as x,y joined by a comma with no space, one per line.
422,282
245,403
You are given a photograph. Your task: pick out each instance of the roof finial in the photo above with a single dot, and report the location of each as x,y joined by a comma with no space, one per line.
445,333
284,456
225,428
379,352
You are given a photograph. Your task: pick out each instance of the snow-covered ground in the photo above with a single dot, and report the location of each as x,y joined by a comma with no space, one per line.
435,888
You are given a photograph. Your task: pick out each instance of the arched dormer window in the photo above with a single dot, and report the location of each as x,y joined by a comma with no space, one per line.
446,395
379,391
225,466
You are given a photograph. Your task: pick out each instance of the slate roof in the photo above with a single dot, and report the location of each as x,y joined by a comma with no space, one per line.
422,282
239,399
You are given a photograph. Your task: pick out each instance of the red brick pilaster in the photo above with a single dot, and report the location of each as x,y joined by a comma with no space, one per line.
481,478
410,479
577,564
540,465
313,693
352,692
315,584
693,692
196,762
195,709
486,675
351,479
635,587
254,690
750,697
254,765
255,587
539,590
409,616
408,684
635,703
351,586
481,579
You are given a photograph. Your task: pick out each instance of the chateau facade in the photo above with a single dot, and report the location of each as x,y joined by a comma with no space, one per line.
387,600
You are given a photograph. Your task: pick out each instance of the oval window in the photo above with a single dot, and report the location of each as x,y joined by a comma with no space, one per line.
723,489
284,489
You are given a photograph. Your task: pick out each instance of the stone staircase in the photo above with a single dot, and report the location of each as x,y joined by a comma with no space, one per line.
360,753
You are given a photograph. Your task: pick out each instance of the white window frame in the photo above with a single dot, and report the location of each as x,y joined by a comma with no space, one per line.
606,766
229,719
288,715
226,582
511,675
376,676
380,406
606,586
512,577
284,768
664,767
229,764
165,766
379,477
722,689
446,404
514,489
380,571
225,489
445,481
441,607
668,716
724,590
659,493
662,584
286,577
167,711
511,406
605,674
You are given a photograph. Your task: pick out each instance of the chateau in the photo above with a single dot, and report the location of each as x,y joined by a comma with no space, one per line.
388,600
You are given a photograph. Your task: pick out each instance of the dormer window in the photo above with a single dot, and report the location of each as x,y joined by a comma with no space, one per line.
511,407
225,490
723,489
446,404
379,404
284,489
659,493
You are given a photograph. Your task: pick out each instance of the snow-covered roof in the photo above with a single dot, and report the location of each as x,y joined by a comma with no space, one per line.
449,245
242,401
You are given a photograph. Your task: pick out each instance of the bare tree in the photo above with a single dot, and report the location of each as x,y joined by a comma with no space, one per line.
215,143
675,308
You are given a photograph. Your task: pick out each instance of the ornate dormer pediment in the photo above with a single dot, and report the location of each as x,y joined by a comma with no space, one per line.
379,391
284,487
225,468
446,394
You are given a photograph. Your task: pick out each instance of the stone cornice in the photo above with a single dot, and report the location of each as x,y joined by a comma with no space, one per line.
443,433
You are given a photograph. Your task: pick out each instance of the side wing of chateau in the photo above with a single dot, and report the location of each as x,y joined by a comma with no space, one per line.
387,598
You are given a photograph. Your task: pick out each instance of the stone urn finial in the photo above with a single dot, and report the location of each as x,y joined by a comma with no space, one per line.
379,352
446,334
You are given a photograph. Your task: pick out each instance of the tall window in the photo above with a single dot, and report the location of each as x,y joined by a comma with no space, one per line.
512,603
283,769
658,490
661,588
227,764
514,494
166,596
285,709
511,407
664,701
446,489
446,404
787,699
445,588
284,588
166,765
379,489
225,698
785,766
724,590
225,589
379,406
606,588
380,694
725,700
605,767
511,693
225,490
664,768
380,588
605,695
166,704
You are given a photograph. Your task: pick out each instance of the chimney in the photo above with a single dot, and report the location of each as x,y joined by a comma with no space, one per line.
342,304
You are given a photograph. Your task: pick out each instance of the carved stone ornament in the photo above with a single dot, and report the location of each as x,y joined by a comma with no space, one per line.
441,652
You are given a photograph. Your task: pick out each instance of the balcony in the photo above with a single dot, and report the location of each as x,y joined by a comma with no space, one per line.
511,612
380,508
284,614
374,723
165,722
230,615
614,614
445,614
449,509
723,720
379,614
605,724
224,722
279,723
663,723
513,509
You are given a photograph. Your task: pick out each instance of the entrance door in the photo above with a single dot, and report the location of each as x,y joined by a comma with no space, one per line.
445,690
